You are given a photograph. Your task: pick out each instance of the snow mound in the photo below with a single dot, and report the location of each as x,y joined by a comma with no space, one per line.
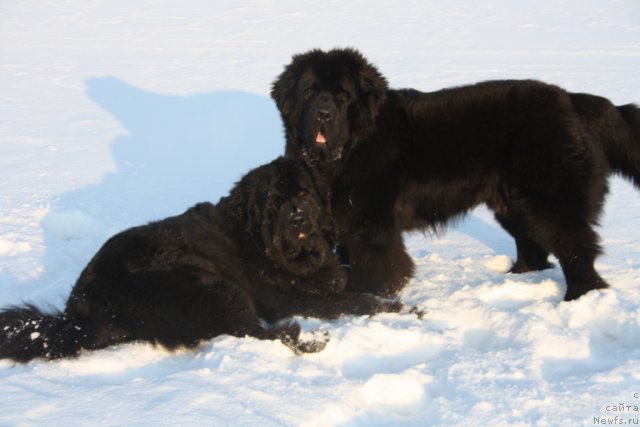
68,224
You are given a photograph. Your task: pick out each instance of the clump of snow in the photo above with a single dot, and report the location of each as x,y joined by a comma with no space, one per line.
402,393
498,263
68,224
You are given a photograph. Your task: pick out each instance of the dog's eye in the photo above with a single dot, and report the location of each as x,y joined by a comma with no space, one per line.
303,193
342,97
309,91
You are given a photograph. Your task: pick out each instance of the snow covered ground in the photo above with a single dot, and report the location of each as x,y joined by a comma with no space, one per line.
115,113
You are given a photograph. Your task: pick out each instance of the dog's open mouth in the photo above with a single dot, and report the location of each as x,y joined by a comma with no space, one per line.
299,246
302,255
321,149
298,250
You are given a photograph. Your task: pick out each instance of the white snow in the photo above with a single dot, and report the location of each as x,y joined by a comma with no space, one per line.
115,113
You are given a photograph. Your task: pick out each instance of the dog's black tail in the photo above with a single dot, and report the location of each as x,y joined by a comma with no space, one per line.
617,129
624,155
27,333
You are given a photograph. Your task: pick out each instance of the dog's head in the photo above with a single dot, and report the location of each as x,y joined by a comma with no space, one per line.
286,209
328,102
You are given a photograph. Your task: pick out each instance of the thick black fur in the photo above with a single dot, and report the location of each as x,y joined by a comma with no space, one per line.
263,253
397,160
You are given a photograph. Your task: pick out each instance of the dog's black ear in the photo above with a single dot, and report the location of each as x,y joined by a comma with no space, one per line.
254,207
372,89
373,85
283,89
244,202
238,202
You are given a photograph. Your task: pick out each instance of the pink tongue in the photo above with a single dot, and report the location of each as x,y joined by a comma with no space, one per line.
320,139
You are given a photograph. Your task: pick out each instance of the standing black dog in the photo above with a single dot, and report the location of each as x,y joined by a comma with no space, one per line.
262,253
397,160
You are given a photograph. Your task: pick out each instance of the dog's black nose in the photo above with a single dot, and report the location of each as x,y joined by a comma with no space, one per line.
323,115
298,220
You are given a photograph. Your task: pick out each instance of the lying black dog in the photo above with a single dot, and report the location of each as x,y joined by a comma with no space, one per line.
397,160
262,253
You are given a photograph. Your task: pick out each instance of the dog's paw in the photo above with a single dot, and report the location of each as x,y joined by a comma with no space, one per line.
313,342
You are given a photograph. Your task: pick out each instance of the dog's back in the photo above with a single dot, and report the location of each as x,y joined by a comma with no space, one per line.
615,129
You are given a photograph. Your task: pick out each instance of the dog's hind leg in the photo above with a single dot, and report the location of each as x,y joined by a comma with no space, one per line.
581,276
530,255
562,229
576,248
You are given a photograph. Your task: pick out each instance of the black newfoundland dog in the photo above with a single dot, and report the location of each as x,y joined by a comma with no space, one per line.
261,254
398,160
